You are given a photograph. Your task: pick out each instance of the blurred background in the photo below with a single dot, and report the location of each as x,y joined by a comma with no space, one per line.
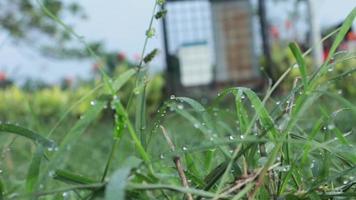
204,46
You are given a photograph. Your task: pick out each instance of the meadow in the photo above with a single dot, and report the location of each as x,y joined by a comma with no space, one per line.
105,144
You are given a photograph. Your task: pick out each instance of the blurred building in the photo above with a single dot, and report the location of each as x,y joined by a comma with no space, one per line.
209,44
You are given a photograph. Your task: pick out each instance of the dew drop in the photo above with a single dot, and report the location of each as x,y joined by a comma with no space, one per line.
184,148
331,126
345,182
65,194
231,137
0,171
51,173
196,125
173,97
242,137
161,156
278,103
93,103
180,106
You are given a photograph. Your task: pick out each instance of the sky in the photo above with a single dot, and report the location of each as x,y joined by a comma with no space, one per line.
121,24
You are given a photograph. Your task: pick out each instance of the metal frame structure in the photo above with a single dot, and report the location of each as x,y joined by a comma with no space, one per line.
219,24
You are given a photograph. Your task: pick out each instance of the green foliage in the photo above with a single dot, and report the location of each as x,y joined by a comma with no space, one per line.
20,18
253,148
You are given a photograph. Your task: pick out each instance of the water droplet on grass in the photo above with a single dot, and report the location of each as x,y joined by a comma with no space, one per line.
161,156
231,137
180,106
242,137
278,103
196,125
51,173
65,194
93,103
184,148
173,97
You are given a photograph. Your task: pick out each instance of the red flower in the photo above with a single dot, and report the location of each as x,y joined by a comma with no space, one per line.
2,76
274,32
121,57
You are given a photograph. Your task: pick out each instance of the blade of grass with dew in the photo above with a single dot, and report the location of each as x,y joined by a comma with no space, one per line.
120,110
58,158
140,118
301,63
34,170
20,131
208,133
306,152
241,112
316,185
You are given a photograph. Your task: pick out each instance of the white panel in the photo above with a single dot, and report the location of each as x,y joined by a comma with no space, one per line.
195,64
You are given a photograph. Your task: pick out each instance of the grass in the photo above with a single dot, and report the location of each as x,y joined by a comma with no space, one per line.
300,147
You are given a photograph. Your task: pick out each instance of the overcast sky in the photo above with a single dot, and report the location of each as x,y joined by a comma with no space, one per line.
121,24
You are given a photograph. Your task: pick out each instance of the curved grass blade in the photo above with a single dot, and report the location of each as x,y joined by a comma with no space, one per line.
18,130
301,62
34,170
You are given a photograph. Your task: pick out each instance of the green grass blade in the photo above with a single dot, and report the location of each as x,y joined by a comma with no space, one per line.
301,62
34,170
266,120
72,137
72,178
2,190
120,110
317,184
342,33
20,131
122,79
115,189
